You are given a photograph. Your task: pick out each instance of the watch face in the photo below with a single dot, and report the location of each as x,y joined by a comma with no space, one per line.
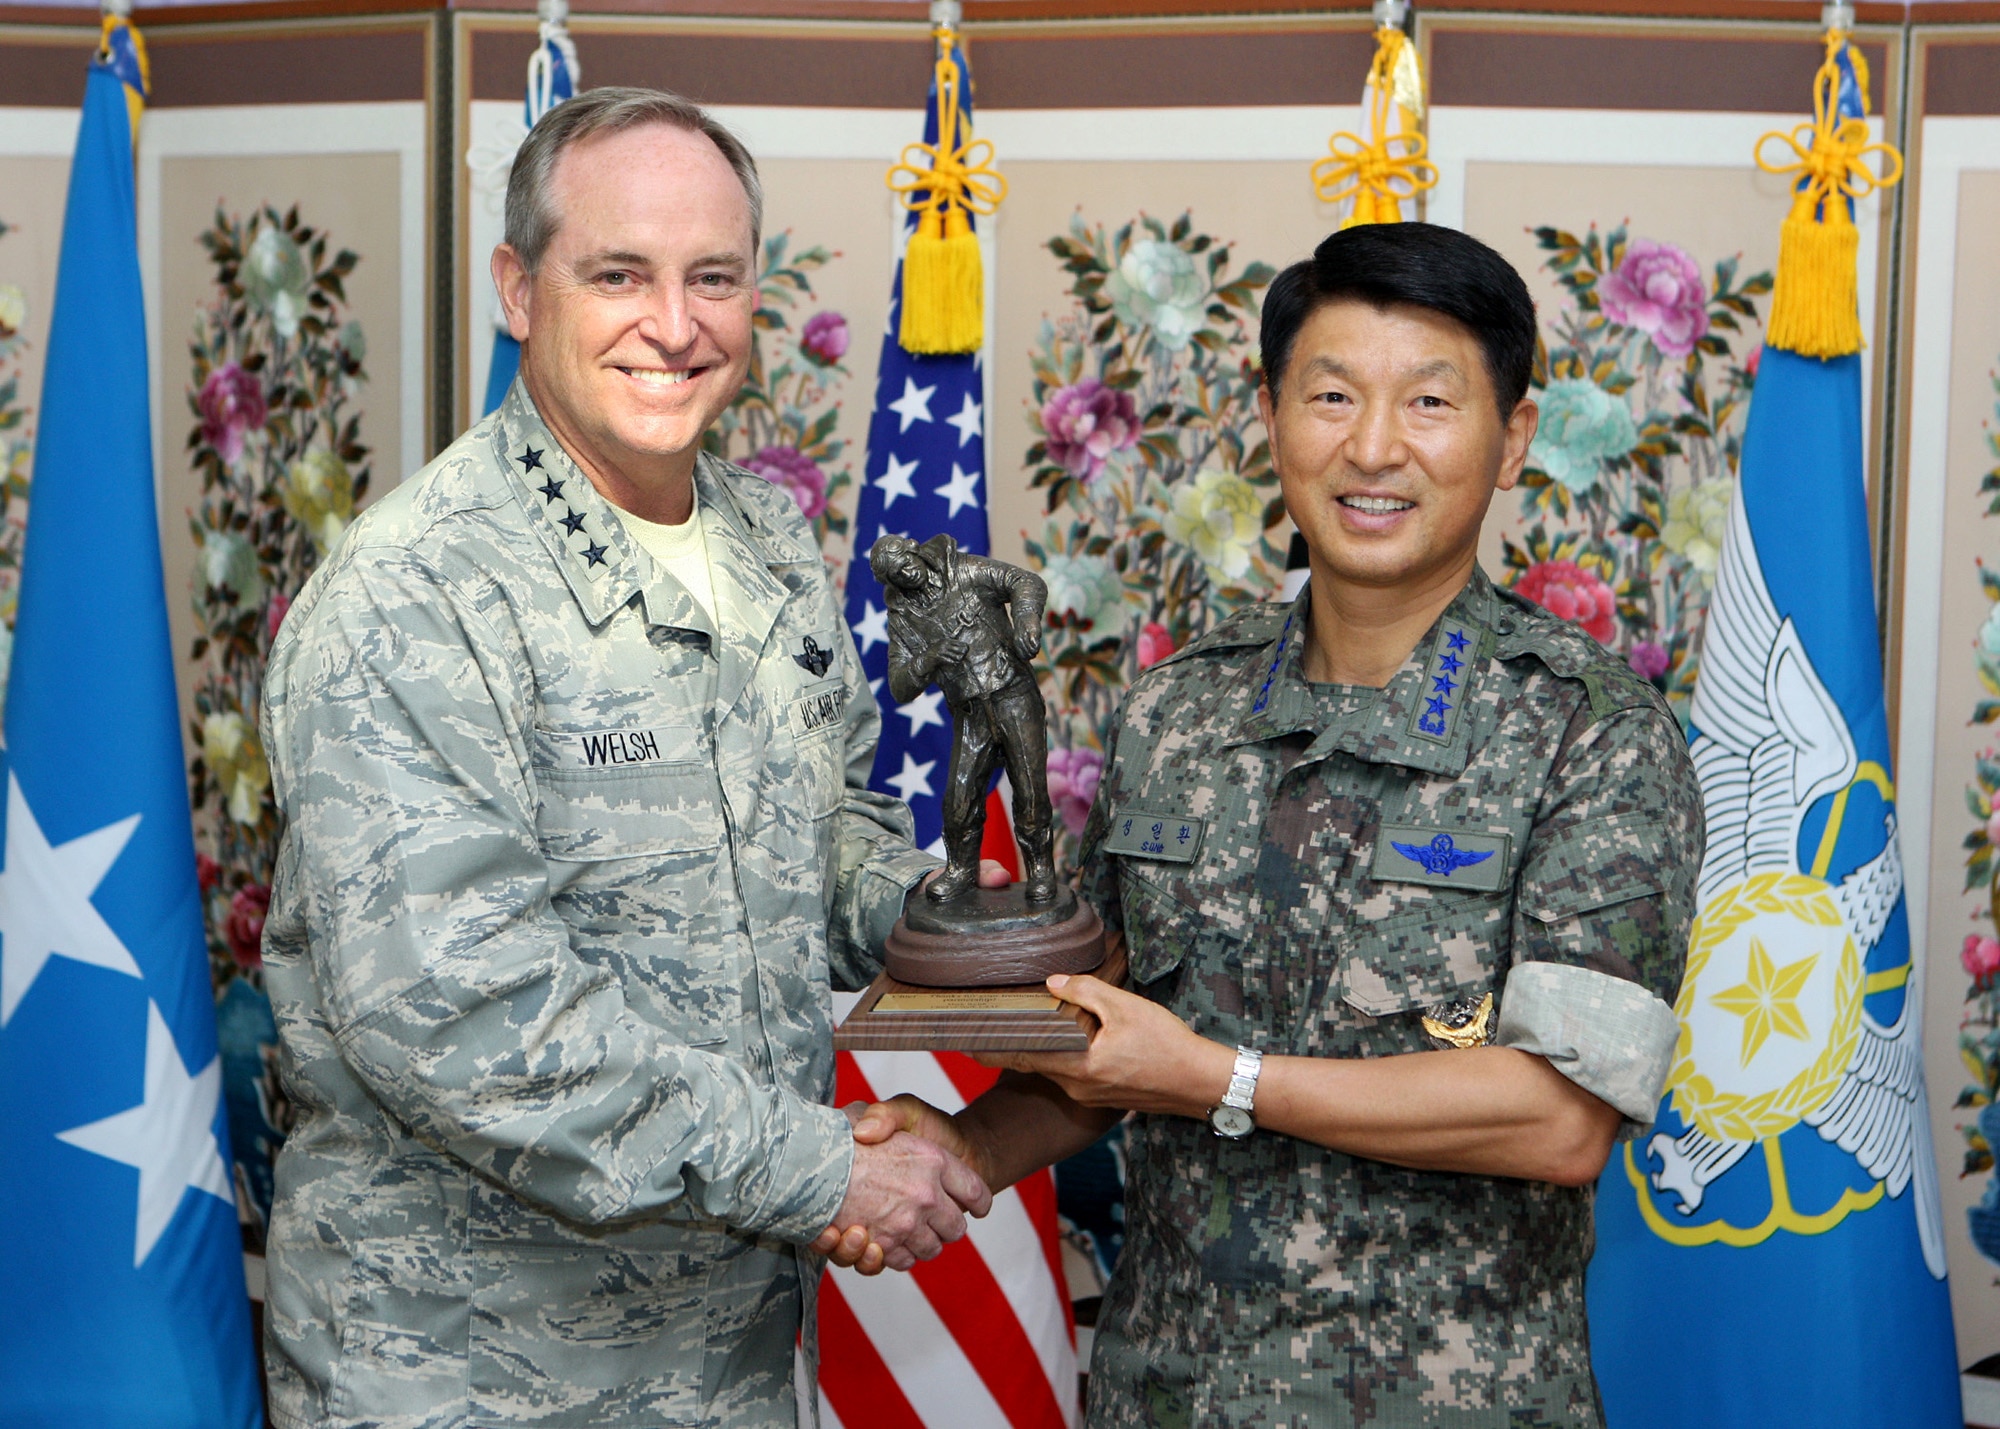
1231,1121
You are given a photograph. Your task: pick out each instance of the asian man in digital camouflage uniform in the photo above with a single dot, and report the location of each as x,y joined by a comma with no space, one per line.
1427,849
570,747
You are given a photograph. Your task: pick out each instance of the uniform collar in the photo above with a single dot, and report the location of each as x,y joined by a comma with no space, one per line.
1420,720
602,563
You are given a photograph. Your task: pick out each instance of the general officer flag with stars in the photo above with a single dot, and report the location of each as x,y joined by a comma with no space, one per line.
122,1301
926,473
1771,1251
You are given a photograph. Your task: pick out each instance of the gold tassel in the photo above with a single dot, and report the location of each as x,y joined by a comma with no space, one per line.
944,287
1370,171
1815,307
944,279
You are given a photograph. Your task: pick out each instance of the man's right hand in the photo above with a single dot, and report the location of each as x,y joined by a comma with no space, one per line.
906,1199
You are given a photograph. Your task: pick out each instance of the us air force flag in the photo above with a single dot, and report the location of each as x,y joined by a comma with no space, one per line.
925,474
121,1268
1770,1253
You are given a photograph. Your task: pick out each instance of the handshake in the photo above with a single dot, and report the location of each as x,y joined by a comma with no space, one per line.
912,1186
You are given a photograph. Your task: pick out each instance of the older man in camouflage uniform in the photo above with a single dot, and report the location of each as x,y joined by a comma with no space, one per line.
575,836
1405,870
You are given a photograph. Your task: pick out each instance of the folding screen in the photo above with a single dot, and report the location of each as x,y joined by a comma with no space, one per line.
1948,536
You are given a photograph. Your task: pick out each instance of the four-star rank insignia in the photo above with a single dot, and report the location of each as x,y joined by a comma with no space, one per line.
1441,693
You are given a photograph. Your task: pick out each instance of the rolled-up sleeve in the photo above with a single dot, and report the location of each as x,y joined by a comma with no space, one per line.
1603,911
399,756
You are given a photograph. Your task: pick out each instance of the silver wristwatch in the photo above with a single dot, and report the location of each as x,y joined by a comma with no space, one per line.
1231,1117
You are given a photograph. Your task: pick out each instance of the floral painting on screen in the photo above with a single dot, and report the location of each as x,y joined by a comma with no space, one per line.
275,437
17,454
782,424
1643,376
1161,499
1979,1022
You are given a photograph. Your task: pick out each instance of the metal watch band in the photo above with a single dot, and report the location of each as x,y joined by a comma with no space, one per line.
1243,1080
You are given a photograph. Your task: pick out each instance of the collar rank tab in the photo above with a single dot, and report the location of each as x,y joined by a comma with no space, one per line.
1435,716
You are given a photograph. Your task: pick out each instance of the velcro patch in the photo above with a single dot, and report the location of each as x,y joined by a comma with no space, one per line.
1166,837
820,711
620,748
1441,858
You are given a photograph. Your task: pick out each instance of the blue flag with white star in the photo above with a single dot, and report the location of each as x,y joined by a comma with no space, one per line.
1772,1250
926,473
121,1266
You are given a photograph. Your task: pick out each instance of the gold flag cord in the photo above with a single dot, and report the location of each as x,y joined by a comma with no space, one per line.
1379,172
944,183
1815,309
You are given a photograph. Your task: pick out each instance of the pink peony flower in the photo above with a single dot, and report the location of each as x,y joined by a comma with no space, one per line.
798,473
207,871
824,339
1980,957
1993,829
1073,776
1648,661
232,404
1154,644
1086,423
1658,289
1567,590
1755,361
245,927
276,611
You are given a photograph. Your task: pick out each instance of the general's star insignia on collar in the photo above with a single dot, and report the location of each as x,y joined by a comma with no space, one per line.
1436,716
552,489
594,554
531,460
572,522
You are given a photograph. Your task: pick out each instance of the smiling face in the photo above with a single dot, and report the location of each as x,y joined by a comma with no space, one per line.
635,330
1389,446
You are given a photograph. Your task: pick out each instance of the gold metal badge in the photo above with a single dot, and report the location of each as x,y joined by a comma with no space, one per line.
1466,1022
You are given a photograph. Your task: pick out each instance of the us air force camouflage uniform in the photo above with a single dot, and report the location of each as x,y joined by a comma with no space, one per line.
1329,872
550,947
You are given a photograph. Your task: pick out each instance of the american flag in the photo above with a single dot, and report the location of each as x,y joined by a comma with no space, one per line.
981,1336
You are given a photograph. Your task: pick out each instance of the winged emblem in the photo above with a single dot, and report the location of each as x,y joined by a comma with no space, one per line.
813,657
1440,856
1766,1053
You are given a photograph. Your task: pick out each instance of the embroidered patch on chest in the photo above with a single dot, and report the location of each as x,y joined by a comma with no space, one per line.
1166,837
1405,854
1439,698
820,711
619,748
815,654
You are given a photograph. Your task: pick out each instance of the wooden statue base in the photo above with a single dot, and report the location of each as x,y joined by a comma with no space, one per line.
1020,1018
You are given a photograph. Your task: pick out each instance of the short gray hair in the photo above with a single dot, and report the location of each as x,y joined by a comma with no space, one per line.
531,214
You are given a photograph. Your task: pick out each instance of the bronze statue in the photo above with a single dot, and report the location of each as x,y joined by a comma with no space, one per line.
973,626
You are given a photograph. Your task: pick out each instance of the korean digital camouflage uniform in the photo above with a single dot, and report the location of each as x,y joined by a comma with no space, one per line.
1316,871
549,949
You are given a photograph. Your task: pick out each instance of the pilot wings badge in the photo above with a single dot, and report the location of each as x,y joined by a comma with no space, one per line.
1775,1027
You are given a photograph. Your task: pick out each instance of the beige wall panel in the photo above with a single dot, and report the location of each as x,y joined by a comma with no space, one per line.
32,193
353,199
1970,536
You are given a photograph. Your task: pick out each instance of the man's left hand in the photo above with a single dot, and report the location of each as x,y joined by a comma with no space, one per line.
992,874
1141,1057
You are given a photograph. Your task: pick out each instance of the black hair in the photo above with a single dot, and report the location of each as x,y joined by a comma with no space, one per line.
1421,265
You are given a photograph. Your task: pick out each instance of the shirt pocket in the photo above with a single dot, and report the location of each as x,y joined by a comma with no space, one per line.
586,815
1438,956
